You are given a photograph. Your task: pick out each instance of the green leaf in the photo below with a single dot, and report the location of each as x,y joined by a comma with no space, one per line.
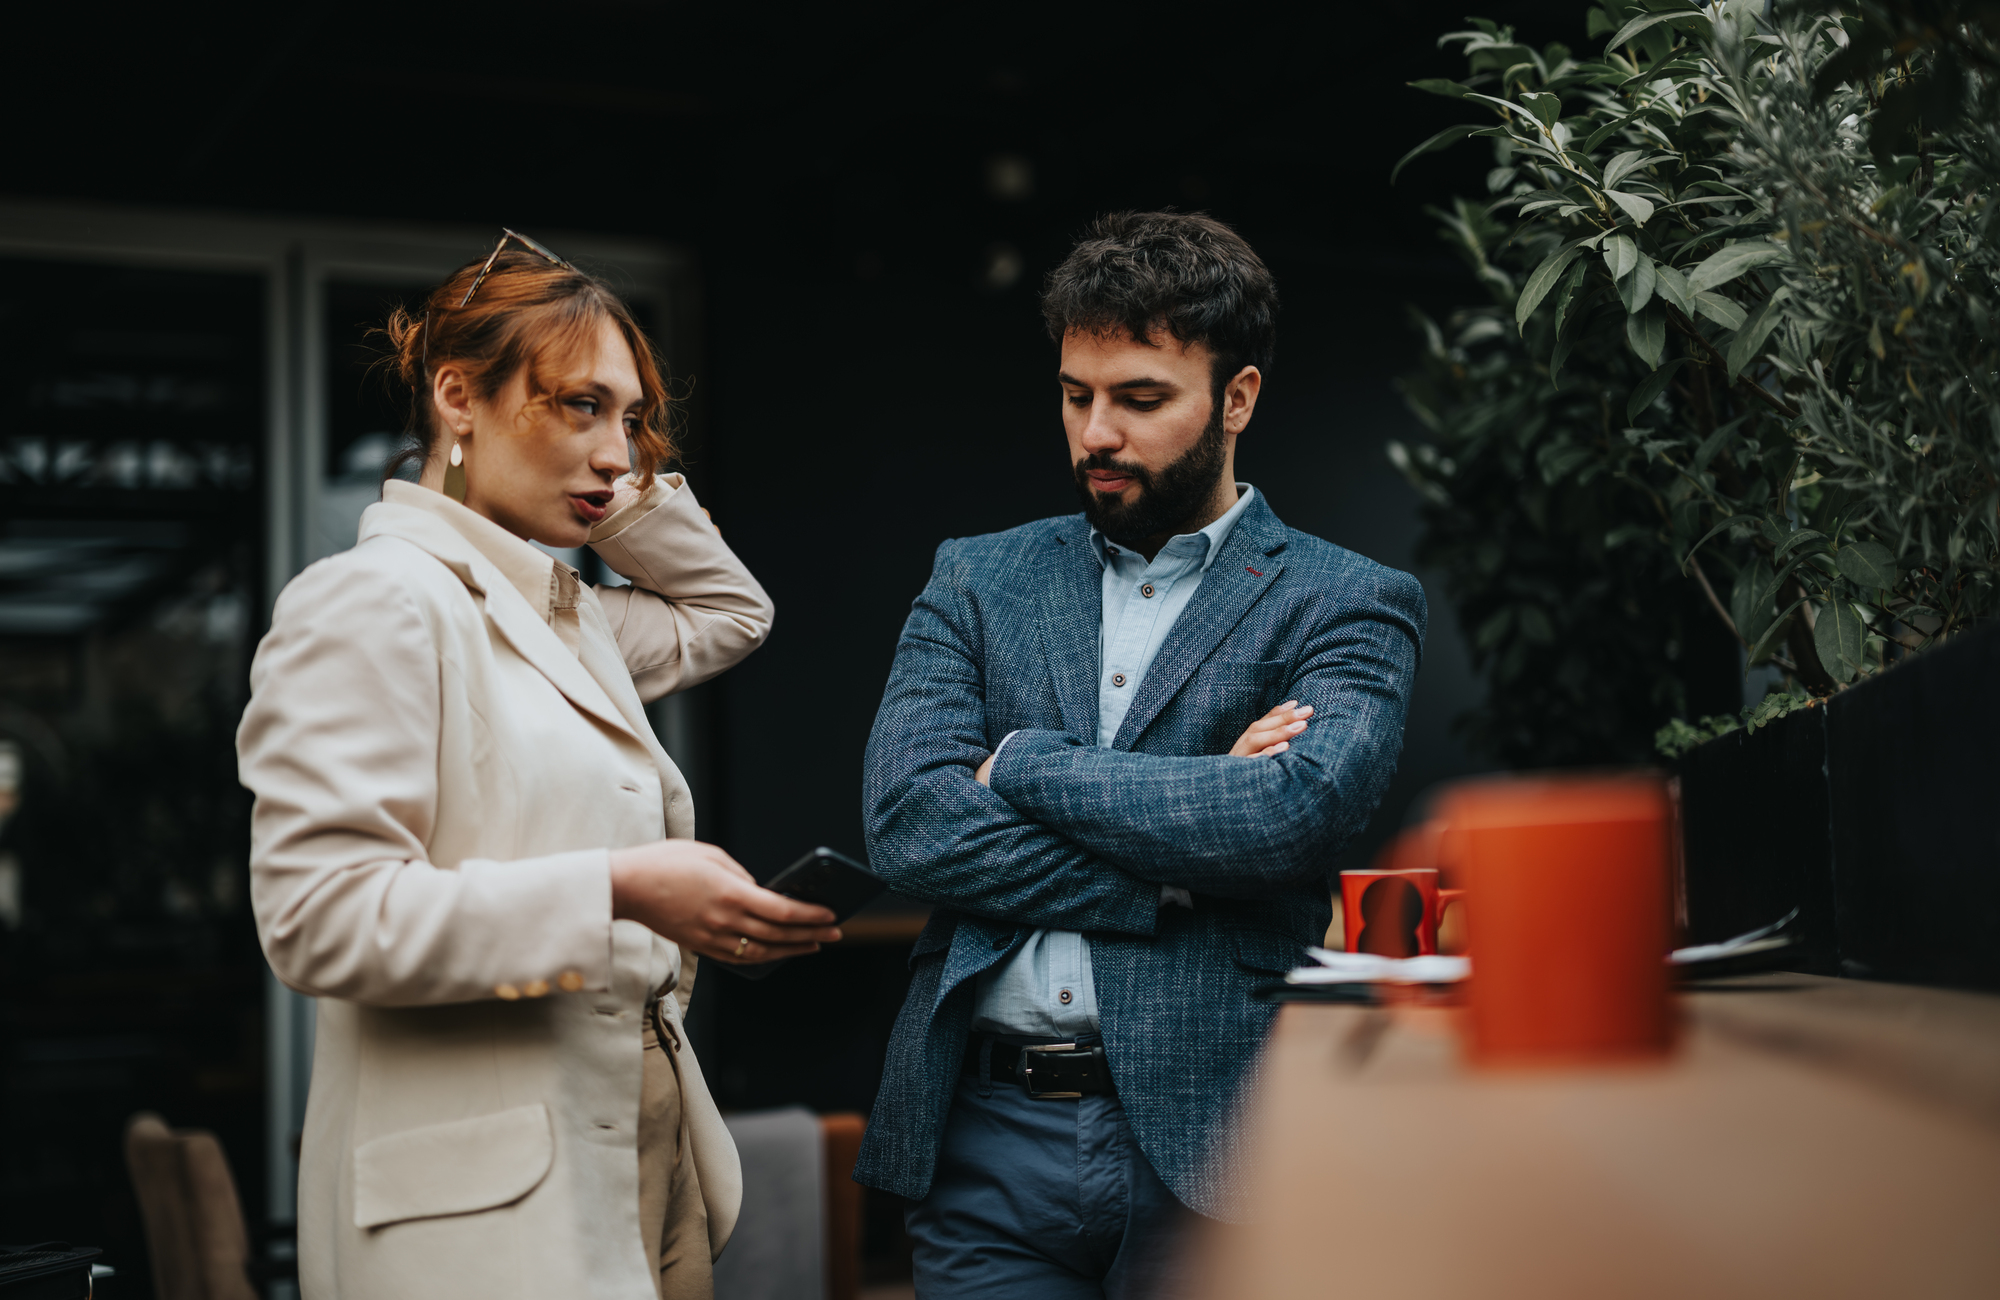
1761,650
1507,104
1751,336
1643,397
1719,268
1719,309
1672,285
1837,635
1449,136
1690,22
1640,210
1539,284
1600,135
1620,256
1751,617
1803,537
1440,86
1647,333
1867,565
1596,22
1636,289
1567,297
1546,108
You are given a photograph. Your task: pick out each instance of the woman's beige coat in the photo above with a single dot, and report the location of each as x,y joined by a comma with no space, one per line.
441,760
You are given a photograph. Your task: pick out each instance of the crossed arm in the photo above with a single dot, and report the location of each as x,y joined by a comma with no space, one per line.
1227,824
1073,836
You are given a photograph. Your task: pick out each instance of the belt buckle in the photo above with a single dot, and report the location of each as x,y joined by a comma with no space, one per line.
1025,1070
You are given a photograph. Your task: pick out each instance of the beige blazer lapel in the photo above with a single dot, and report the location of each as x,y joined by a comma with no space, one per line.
532,638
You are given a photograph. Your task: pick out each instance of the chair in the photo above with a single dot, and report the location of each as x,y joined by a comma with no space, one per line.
194,1221
799,1235
844,1225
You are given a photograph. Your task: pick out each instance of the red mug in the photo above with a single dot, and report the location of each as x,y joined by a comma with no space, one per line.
1394,912
1574,918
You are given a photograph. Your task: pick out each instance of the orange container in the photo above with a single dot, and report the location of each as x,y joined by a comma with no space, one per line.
1572,921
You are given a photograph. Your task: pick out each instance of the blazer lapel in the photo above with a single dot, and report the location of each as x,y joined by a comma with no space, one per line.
532,638
1072,592
1244,571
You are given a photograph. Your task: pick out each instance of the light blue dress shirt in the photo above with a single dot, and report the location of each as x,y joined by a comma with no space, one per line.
1044,990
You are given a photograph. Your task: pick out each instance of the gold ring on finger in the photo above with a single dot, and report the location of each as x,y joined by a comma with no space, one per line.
742,944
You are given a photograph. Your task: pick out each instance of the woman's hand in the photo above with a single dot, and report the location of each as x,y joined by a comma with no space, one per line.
1272,733
697,895
623,493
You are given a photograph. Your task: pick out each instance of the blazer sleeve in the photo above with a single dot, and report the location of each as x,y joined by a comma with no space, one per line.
936,834
1245,827
339,746
692,609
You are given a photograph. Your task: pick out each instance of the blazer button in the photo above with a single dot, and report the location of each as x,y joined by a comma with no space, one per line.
1118,679
1147,591
535,989
1065,997
506,992
569,982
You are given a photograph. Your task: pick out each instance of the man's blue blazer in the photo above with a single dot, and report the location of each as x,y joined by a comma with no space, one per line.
1072,836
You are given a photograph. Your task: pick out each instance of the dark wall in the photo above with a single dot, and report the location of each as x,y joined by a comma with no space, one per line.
872,200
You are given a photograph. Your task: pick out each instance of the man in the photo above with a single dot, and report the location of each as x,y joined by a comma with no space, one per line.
1079,762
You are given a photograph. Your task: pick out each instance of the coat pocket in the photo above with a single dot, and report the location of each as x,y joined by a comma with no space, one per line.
461,1167
1269,952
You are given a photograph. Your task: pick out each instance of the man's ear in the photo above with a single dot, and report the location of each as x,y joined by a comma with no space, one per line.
1239,398
452,396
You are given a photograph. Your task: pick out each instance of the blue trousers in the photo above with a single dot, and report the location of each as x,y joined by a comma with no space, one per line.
1049,1199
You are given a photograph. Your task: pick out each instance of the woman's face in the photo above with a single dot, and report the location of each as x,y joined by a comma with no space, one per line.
548,474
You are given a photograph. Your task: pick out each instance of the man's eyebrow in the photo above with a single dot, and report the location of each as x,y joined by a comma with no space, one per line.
1123,385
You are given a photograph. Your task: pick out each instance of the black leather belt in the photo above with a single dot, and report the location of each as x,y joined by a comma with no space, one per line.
1050,1070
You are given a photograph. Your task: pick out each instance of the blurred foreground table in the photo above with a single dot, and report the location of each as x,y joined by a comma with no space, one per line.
1812,1137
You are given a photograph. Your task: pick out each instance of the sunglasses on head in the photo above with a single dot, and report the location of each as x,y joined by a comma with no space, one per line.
525,242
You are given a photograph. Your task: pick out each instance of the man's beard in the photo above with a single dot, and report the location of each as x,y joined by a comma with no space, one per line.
1167,501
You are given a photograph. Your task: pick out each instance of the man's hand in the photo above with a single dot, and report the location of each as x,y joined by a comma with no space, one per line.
1270,734
985,773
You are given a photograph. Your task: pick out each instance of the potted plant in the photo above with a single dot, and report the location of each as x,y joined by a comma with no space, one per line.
1736,381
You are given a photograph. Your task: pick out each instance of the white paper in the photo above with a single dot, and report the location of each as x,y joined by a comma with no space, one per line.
1367,968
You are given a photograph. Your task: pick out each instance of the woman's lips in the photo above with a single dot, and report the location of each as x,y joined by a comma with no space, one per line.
590,507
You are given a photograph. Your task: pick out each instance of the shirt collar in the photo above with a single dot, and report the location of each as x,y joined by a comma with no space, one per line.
531,570
1212,536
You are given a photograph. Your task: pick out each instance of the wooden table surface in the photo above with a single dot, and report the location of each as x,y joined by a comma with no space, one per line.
1811,1137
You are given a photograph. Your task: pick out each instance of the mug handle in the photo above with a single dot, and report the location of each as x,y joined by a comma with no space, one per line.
1446,897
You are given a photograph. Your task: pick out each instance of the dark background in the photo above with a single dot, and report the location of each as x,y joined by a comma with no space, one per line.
871,201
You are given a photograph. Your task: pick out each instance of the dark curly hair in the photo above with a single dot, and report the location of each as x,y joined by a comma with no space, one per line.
1187,274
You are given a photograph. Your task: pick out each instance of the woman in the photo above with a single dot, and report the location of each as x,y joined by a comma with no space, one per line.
468,844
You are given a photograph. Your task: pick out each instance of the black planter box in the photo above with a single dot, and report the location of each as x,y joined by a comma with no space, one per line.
1876,814
1755,836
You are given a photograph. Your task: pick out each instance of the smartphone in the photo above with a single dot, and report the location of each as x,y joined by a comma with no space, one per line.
833,880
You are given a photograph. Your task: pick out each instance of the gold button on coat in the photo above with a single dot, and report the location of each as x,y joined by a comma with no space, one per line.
507,991
535,988
569,981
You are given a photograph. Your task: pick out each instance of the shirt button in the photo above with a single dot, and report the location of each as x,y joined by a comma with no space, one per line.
1147,591
1065,997
1118,679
